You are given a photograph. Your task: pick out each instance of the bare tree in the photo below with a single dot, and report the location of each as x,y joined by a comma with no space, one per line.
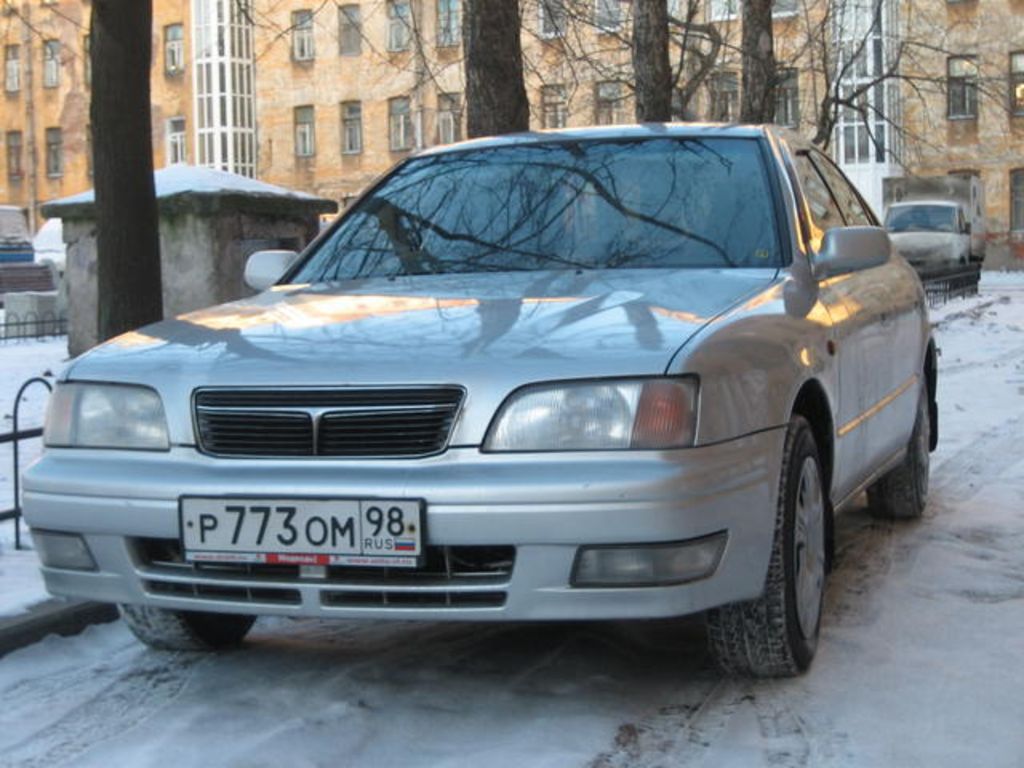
651,62
495,90
758,48
127,235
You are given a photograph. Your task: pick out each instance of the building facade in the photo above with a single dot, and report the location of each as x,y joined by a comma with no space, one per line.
326,97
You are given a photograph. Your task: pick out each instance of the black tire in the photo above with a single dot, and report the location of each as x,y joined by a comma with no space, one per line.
168,630
768,637
902,493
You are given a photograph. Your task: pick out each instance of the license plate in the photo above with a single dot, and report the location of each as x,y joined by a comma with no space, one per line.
373,532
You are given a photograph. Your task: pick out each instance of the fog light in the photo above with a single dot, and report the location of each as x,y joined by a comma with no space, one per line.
648,565
63,550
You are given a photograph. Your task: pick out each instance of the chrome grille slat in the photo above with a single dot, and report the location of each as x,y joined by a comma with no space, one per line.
354,422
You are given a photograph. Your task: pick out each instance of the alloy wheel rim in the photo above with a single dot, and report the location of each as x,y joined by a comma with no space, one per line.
809,547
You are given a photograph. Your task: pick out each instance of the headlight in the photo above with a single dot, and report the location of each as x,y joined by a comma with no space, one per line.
106,416
642,414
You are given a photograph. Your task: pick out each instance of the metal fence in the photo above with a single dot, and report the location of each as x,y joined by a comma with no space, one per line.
15,327
15,437
945,283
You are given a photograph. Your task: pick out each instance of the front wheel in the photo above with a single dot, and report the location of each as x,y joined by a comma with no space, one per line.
902,493
776,635
168,630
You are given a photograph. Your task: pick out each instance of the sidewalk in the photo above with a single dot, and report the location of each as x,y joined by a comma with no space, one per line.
51,617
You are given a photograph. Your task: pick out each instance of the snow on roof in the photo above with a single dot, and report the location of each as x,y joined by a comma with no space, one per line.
184,179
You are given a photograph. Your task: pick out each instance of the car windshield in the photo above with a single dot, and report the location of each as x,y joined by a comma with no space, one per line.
921,218
594,204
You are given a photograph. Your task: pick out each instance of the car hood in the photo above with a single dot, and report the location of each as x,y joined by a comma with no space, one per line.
488,332
922,241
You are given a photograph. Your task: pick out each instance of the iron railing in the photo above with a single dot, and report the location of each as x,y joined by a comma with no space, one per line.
15,437
31,325
944,283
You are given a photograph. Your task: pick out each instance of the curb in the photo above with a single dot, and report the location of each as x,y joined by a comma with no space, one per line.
50,617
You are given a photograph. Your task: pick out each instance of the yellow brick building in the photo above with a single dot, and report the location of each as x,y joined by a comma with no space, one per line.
325,97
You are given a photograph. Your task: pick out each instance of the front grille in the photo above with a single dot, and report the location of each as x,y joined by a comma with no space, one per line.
359,423
450,577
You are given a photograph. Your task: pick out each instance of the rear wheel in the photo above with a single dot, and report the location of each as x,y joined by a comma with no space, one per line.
776,635
169,630
902,493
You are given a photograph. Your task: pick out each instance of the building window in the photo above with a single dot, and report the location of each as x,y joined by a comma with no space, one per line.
784,7
302,36
1017,200
720,10
608,104
51,64
607,15
398,25
724,91
554,106
87,60
176,151
14,170
12,69
174,49
787,98
305,132
449,118
350,30
962,87
400,133
351,127
552,18
54,152
1017,83
448,24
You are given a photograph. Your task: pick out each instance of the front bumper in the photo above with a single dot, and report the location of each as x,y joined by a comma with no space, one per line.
544,505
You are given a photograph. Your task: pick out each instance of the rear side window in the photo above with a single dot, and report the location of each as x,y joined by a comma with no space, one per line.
849,203
822,207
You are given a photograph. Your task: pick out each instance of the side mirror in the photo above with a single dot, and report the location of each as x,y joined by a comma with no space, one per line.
851,249
264,268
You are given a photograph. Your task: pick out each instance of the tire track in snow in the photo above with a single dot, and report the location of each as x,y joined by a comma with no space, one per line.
134,695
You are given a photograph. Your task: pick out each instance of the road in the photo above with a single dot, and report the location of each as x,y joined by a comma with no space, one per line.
920,661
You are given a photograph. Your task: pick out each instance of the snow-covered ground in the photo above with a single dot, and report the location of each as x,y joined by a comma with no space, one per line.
20,583
920,663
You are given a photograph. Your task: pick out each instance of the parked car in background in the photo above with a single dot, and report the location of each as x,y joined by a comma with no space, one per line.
15,239
936,220
617,373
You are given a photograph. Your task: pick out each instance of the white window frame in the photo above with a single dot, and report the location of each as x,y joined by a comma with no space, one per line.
51,64
13,151
449,118
449,28
12,68
608,104
793,102
608,15
399,25
550,26
177,143
350,24
789,8
718,95
54,153
400,128
303,40
174,50
305,132
351,128
554,106
723,10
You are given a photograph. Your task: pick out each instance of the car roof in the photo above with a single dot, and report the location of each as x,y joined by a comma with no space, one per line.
636,131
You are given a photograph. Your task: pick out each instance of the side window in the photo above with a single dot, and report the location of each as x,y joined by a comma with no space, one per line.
823,210
849,203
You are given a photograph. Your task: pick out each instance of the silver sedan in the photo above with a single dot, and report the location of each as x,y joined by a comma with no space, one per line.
586,374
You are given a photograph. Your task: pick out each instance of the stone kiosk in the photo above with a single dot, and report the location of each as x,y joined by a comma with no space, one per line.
210,222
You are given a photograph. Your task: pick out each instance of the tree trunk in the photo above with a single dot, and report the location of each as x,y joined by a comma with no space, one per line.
127,235
495,90
758,63
651,61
